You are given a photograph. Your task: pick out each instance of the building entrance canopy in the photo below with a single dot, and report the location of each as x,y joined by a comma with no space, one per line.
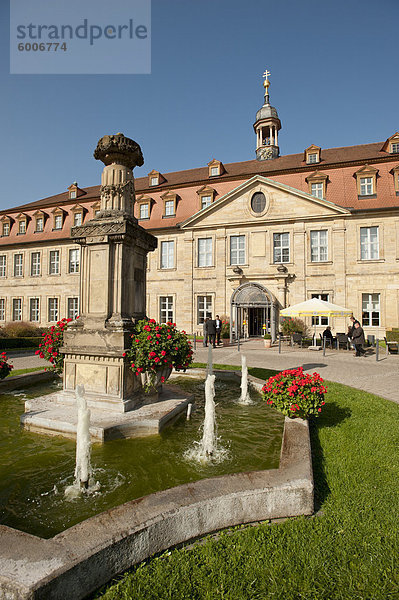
253,311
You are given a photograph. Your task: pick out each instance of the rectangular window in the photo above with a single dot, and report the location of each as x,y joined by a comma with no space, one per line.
204,308
369,246
3,265
214,171
74,260
318,246
154,181
6,229
205,201
35,264
317,190
58,222
39,224
167,255
395,148
237,250
205,252
72,194
73,308
18,265
371,310
320,320
34,312
366,186
17,309
22,227
312,158
169,208
2,309
281,247
54,262
144,211
166,309
77,219
53,309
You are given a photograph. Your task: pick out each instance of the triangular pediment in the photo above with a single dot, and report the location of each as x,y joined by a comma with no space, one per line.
282,203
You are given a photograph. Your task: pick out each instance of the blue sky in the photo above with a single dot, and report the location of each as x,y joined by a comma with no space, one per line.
334,80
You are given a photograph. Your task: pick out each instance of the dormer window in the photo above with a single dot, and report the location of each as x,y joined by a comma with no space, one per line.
58,216
206,196
312,155
77,219
6,228
169,200
22,224
395,173
78,215
392,144
144,204
73,190
317,183
154,178
366,179
39,224
215,168
96,208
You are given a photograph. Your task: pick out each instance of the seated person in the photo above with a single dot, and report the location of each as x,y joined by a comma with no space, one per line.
328,335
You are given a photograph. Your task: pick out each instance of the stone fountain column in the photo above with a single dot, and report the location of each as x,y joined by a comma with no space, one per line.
114,252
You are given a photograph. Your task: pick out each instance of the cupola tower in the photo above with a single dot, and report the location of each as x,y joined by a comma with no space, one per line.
267,126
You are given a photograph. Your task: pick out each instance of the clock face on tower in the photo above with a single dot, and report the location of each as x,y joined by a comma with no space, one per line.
267,153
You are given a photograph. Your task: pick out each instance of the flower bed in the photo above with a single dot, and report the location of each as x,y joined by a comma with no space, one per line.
5,367
295,393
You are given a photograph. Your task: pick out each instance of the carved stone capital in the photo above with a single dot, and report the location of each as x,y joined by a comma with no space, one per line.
119,149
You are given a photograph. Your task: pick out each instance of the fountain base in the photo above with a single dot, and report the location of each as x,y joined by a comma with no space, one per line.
49,415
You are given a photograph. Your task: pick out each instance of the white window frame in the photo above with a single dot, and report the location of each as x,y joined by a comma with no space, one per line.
74,260
72,307
371,305
167,254
3,265
53,308
281,243
17,309
317,189
366,186
144,211
395,148
166,304
321,321
58,222
34,310
204,307
214,171
6,229
369,244
205,252
39,224
237,250
169,208
154,180
54,262
35,264
319,246
22,227
206,201
77,219
18,265
2,309
312,158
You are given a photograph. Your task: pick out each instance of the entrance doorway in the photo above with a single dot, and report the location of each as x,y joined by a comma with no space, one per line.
254,312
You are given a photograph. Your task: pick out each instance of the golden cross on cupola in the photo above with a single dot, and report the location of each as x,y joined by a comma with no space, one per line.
266,83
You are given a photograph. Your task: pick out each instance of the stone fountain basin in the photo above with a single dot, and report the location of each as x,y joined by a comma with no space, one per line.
79,560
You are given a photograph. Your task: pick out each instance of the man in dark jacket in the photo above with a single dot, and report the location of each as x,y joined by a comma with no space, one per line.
358,339
211,331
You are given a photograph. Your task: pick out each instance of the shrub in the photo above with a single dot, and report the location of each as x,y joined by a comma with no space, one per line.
7,343
51,343
225,334
5,367
155,346
21,329
294,393
289,326
267,336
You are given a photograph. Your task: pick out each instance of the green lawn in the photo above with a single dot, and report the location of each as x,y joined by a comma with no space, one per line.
348,551
23,371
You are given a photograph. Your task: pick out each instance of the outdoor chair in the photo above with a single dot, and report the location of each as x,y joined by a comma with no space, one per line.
393,347
296,338
329,341
342,340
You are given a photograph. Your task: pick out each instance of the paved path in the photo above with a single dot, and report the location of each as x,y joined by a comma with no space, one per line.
365,373
380,378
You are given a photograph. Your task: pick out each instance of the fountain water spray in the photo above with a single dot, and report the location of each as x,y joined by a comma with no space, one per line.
83,470
208,444
244,398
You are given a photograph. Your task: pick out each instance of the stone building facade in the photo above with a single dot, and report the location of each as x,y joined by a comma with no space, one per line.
241,240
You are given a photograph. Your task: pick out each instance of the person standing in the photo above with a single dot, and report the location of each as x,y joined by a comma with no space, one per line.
218,325
358,339
211,331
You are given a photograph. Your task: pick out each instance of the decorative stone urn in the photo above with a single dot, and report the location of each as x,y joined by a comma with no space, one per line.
151,384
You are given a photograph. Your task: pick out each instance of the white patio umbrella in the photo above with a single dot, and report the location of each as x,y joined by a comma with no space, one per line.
315,308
